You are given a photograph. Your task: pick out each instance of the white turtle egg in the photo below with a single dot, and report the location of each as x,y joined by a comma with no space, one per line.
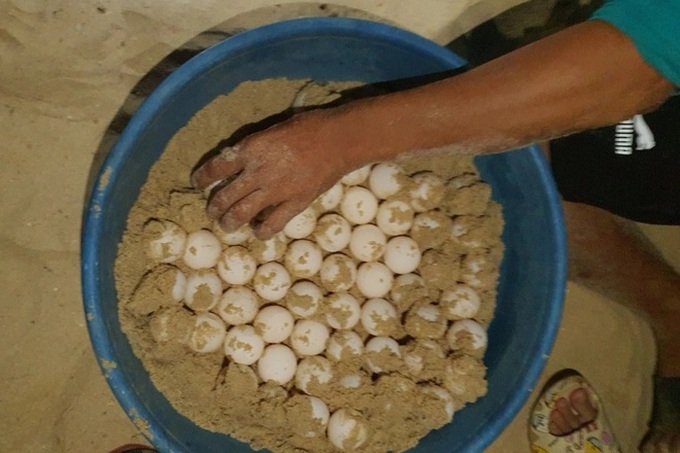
460,302
397,293
351,381
374,279
238,237
468,335
243,345
203,291
319,410
209,333
344,342
165,241
303,299
272,249
333,232
357,176
359,205
379,317
202,250
338,272
239,305
367,243
278,363
302,225
385,179
303,258
346,430
394,217
312,368
377,344
443,395
272,281
428,192
402,255
309,337
343,311
330,199
274,324
236,266
179,289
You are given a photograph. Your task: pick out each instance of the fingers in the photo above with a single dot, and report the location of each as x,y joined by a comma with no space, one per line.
243,210
225,164
277,219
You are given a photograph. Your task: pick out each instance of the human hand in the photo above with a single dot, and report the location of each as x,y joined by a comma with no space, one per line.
278,171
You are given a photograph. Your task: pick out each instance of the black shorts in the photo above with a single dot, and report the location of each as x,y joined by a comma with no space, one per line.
631,169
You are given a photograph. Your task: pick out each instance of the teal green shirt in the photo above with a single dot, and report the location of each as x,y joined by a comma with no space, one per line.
654,27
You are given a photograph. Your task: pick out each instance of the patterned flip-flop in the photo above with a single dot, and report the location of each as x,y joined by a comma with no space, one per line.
595,437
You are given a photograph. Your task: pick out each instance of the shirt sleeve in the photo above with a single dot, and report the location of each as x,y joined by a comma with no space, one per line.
654,27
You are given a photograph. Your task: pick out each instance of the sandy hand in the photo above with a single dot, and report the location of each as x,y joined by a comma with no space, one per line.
279,171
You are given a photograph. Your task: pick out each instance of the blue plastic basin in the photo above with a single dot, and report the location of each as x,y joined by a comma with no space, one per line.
532,273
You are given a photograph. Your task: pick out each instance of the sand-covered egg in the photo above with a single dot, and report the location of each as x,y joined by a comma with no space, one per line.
333,232
467,335
428,192
303,298
344,343
302,225
359,205
309,337
338,272
378,345
303,258
238,305
274,324
386,179
310,369
330,199
357,176
379,317
374,279
271,249
461,302
343,311
278,363
203,290
346,430
209,333
165,240
202,250
243,345
236,266
394,217
236,237
272,281
402,255
367,243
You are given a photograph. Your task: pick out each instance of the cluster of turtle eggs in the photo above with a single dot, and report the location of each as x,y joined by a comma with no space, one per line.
355,237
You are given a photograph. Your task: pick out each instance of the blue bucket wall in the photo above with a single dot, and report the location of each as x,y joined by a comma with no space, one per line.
532,273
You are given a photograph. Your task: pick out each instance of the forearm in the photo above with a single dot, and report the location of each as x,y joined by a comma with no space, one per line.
584,77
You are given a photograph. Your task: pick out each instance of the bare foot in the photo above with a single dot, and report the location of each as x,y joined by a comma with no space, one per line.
571,414
578,411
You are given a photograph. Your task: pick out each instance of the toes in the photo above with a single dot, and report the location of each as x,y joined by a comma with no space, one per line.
558,426
581,403
565,409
